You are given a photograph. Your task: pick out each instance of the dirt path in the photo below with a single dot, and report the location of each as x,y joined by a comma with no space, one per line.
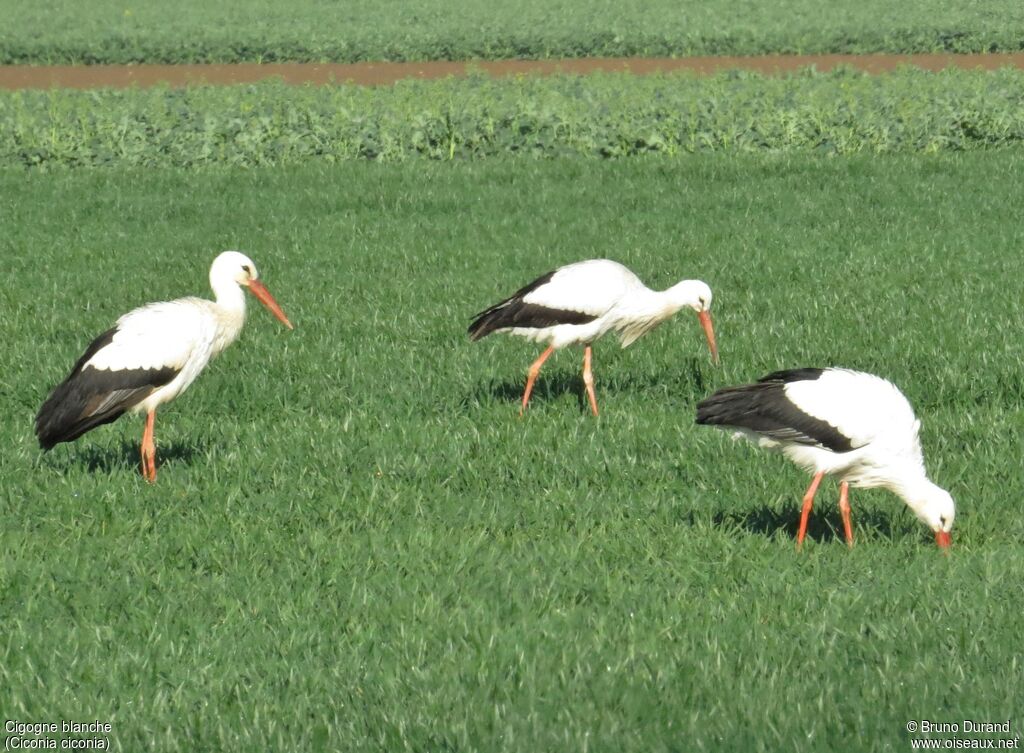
375,74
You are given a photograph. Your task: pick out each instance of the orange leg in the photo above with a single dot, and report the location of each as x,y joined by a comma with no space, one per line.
844,508
588,379
806,512
149,449
532,375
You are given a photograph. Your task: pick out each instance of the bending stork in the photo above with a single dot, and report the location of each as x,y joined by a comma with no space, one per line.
579,303
855,426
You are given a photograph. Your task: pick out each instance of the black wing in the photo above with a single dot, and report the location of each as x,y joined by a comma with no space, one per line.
515,312
764,408
91,397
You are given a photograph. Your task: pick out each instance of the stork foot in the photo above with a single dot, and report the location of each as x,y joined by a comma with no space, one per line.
588,379
149,449
844,509
149,467
805,513
531,376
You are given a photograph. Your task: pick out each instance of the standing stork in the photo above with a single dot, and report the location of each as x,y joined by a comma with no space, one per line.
855,426
150,356
578,303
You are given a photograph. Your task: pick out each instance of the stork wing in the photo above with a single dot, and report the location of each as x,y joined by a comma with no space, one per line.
147,349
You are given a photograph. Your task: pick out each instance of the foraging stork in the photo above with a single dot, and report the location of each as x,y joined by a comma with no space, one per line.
855,426
151,356
578,303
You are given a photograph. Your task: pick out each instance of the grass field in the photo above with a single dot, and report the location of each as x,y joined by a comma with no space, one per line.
355,544
591,116
123,31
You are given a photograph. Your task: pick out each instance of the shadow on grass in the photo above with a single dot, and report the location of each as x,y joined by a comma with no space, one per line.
824,525
689,383
547,387
126,456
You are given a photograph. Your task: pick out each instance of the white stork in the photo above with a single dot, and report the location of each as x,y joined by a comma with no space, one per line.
578,303
855,426
151,356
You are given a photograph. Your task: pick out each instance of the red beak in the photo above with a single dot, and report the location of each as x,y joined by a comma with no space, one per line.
709,333
943,539
259,290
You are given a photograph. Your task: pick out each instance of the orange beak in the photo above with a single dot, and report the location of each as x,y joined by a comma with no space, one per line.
943,539
709,332
259,290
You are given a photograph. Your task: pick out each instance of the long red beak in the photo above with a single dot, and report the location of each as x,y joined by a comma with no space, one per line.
259,290
709,332
943,539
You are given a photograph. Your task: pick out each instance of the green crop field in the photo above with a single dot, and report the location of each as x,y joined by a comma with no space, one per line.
129,31
593,116
354,542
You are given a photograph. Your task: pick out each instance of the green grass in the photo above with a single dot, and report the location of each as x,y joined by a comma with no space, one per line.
595,116
130,31
355,544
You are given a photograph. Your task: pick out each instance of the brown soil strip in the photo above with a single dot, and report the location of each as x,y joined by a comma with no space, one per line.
375,74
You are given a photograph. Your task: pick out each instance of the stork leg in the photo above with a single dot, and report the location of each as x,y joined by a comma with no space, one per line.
532,375
844,508
149,449
806,512
588,379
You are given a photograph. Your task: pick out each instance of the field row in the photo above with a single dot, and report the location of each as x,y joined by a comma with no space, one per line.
598,116
356,544
112,31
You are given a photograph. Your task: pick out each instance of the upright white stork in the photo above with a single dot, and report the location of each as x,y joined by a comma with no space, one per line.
855,426
578,303
150,356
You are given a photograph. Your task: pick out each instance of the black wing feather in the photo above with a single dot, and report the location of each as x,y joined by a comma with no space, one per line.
91,397
793,375
515,312
764,408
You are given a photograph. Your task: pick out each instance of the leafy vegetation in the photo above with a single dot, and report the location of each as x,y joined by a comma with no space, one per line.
135,31
355,544
598,116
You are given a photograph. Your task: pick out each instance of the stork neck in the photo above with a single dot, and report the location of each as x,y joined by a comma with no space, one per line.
912,486
661,303
229,307
229,296
645,305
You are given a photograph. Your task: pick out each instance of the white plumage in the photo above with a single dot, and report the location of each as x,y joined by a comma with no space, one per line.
150,356
855,426
180,335
580,303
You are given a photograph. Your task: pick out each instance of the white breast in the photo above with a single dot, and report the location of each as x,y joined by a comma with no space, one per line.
182,335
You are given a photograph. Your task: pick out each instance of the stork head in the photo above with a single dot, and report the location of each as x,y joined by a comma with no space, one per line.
235,267
696,295
934,507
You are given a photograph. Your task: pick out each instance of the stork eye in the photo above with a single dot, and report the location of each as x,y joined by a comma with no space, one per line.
247,269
